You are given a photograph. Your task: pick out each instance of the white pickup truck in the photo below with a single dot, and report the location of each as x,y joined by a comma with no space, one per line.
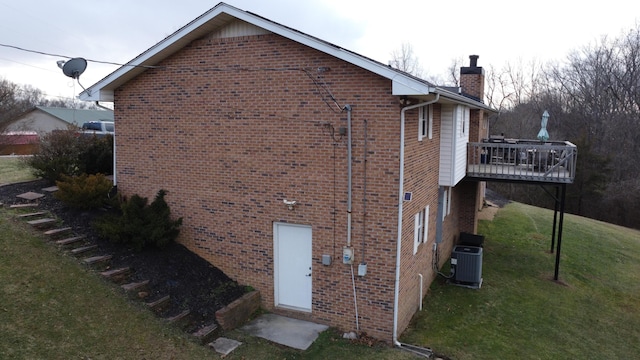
98,128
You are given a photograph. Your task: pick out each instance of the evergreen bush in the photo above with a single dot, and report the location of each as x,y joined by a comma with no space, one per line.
83,191
141,224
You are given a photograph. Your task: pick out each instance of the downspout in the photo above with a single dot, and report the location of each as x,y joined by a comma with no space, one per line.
115,181
400,201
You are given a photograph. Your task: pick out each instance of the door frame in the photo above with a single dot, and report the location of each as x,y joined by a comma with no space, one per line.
276,267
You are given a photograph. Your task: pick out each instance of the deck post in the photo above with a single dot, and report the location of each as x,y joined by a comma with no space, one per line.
555,218
562,201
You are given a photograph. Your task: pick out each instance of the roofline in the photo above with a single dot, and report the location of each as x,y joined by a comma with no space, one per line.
465,100
403,84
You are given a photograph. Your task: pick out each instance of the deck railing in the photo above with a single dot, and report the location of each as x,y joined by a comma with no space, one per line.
526,160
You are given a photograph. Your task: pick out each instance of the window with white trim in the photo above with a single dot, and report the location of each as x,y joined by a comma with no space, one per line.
464,126
421,229
425,123
418,231
446,205
425,237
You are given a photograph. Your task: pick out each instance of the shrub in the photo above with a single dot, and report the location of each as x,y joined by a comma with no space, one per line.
141,224
97,156
83,191
57,155
65,152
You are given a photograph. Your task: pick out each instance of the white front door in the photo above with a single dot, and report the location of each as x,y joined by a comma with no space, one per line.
292,266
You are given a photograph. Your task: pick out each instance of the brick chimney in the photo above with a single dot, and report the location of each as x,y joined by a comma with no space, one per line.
472,79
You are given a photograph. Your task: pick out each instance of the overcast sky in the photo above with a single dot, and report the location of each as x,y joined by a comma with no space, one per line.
500,31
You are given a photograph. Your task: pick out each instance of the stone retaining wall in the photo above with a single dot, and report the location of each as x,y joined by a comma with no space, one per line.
239,311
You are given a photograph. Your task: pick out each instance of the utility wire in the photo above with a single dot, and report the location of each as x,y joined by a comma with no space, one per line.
70,57
323,89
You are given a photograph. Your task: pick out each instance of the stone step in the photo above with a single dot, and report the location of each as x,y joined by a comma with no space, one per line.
138,289
100,261
181,320
21,206
117,275
50,189
30,196
207,333
33,214
160,304
42,222
71,241
56,232
224,346
83,250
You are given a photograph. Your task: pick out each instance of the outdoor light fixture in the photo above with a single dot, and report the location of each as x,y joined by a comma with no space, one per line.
290,204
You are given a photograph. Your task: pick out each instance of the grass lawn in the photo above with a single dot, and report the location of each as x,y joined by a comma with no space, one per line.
52,307
14,170
520,313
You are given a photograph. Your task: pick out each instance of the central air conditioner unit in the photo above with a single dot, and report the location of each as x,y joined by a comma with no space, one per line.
466,266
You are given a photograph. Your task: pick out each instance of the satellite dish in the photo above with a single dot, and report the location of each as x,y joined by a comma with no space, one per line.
74,67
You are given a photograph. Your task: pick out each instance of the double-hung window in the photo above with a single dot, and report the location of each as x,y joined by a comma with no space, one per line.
425,123
421,228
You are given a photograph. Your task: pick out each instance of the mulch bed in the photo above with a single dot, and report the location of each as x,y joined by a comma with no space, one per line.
192,282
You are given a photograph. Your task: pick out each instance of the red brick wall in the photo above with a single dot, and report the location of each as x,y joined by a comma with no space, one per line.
422,161
230,128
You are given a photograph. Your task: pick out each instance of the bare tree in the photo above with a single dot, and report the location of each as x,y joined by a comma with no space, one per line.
15,100
404,59
593,97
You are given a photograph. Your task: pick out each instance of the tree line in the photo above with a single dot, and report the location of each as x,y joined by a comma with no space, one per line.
593,97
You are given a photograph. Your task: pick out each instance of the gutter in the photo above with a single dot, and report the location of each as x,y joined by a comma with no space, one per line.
400,202
474,104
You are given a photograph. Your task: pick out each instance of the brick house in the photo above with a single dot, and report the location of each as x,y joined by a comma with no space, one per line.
285,154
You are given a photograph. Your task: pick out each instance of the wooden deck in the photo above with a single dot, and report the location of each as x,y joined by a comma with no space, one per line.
522,160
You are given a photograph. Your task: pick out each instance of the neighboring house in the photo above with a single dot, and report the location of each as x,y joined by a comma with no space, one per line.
285,154
43,119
